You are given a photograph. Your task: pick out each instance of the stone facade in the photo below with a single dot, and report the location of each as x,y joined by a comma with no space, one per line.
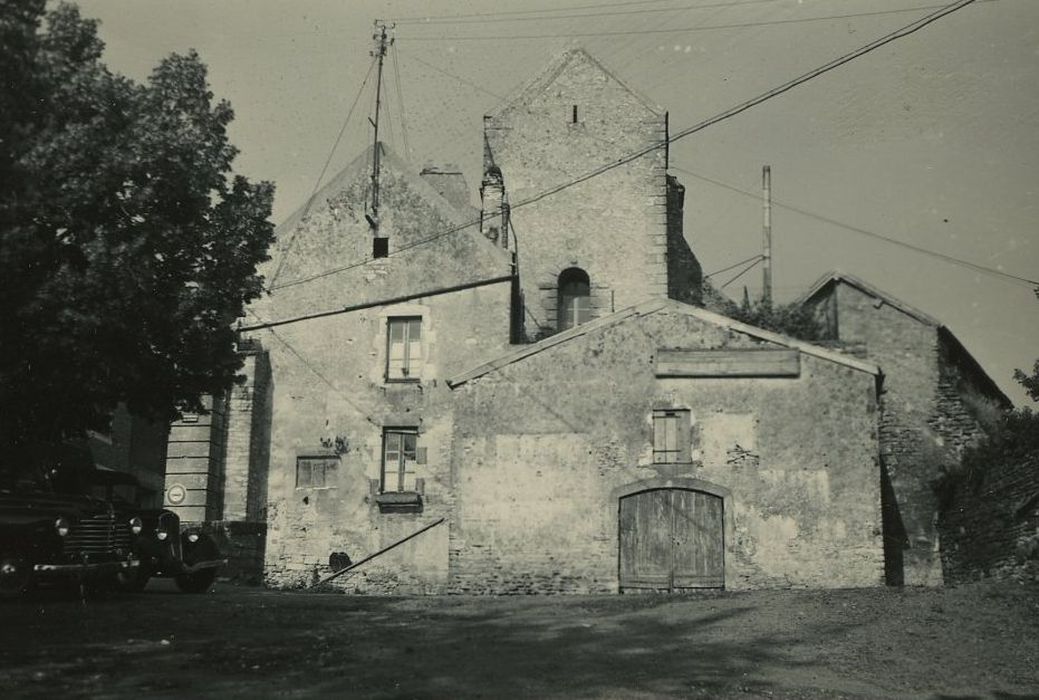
545,445
333,399
934,401
566,123
550,449
990,525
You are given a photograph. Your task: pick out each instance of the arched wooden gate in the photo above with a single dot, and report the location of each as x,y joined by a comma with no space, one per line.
672,539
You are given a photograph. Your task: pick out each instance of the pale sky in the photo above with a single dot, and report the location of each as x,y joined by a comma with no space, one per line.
932,140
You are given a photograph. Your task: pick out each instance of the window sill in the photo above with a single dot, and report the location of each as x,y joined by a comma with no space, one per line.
399,502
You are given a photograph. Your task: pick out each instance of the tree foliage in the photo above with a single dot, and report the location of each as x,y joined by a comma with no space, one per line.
128,245
794,320
1029,381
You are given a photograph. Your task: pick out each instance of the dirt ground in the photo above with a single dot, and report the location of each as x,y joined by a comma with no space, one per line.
980,640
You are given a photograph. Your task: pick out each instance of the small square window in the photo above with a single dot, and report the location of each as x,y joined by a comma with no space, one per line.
316,471
380,247
403,349
671,439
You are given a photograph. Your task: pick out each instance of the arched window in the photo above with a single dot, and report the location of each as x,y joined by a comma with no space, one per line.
575,304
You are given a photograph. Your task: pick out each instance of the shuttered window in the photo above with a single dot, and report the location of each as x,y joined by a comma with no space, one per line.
316,472
403,349
671,436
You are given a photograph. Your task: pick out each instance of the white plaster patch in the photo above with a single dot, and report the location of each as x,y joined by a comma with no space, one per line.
722,432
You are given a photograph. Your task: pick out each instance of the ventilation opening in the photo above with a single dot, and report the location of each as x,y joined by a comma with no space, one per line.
573,115
380,247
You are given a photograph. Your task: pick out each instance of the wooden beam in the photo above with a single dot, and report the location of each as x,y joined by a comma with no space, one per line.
750,362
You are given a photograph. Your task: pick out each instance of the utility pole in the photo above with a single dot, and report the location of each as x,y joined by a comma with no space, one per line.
380,244
766,235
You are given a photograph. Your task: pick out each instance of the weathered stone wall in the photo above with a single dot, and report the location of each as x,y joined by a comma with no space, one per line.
614,226
330,396
684,274
248,440
990,524
542,446
930,407
337,400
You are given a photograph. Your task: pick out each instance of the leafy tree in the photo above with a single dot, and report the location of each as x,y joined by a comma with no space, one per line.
1029,381
794,319
128,246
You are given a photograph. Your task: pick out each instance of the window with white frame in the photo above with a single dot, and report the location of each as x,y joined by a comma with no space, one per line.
400,455
403,348
671,440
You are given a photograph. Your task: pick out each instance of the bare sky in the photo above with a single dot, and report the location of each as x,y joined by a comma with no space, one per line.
932,140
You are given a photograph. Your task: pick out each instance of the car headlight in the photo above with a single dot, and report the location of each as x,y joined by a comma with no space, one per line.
193,537
62,526
136,525
162,534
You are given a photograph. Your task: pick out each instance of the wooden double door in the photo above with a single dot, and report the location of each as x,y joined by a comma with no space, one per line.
672,539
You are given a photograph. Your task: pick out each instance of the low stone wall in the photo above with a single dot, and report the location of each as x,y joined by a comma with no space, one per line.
990,524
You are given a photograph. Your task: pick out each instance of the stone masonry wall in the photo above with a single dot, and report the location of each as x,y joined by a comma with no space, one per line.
929,415
990,525
614,226
337,403
542,446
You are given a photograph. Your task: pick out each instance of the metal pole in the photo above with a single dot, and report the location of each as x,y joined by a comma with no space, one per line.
381,551
380,54
766,267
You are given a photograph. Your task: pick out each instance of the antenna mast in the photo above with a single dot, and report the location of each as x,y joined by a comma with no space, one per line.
766,235
380,244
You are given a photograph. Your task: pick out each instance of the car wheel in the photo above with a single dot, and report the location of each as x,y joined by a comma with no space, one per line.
15,575
197,582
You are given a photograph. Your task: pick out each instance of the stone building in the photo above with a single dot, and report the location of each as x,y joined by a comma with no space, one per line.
534,381
936,400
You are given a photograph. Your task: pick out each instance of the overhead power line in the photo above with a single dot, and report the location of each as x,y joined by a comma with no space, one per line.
753,258
672,30
458,78
906,30
549,14
543,10
742,272
324,169
865,232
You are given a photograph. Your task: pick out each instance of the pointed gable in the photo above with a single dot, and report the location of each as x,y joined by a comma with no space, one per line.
323,257
569,70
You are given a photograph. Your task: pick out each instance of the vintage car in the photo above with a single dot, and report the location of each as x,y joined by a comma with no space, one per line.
47,536
188,555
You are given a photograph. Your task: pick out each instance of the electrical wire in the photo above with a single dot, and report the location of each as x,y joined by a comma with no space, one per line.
906,30
299,356
734,265
458,78
400,99
865,232
492,17
673,30
742,272
324,169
